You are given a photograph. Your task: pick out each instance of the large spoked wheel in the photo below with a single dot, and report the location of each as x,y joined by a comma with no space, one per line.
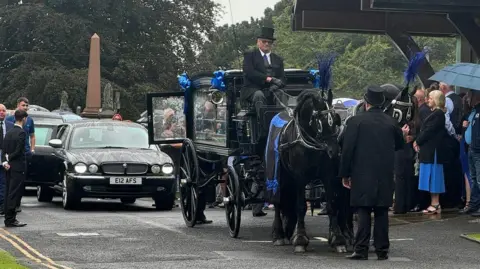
233,203
187,176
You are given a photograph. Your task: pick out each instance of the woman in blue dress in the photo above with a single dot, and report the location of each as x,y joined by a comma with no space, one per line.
432,152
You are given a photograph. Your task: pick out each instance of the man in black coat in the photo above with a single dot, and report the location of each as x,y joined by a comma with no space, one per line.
14,162
367,167
263,72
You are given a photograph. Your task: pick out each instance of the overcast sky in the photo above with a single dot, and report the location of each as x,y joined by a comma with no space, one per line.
243,9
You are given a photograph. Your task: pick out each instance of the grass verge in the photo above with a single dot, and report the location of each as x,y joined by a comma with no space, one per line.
472,237
7,261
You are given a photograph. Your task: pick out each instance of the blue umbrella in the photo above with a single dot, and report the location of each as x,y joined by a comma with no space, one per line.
347,102
466,75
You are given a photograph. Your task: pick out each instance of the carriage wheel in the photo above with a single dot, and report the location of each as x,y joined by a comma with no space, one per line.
233,207
187,176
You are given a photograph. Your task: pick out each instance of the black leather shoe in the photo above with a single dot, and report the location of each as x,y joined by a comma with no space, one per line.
204,221
475,213
15,224
416,209
466,210
260,214
382,257
357,256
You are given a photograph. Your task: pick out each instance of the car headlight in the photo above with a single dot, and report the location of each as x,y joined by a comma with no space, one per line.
80,168
93,168
167,169
156,169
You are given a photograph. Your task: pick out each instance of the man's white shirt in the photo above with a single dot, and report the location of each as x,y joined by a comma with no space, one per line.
449,103
268,56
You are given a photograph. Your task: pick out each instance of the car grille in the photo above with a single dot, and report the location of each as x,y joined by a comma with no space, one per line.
118,168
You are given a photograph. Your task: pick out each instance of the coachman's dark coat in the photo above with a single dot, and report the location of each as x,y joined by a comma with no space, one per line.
368,154
256,72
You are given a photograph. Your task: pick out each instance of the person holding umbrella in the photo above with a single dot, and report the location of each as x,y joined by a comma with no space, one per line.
466,75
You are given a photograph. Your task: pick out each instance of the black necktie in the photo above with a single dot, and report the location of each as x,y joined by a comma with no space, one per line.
1,134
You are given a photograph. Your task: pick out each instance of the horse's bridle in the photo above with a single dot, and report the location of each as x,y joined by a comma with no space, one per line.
303,138
397,113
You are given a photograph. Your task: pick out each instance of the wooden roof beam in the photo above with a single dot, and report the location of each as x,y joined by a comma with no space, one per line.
444,6
372,22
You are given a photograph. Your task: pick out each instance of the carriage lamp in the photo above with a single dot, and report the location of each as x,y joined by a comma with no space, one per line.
93,168
156,169
167,169
80,168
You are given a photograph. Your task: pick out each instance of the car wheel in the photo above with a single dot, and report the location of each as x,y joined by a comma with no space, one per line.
164,202
70,199
44,194
128,201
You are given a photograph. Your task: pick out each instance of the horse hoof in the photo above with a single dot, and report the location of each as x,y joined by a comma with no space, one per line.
279,242
341,249
299,249
287,241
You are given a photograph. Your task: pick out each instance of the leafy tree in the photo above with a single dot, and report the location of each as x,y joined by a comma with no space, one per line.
144,44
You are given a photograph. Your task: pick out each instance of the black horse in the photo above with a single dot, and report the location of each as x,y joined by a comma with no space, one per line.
306,148
399,103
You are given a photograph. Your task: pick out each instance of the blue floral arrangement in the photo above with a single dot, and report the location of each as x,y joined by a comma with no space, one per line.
185,84
218,80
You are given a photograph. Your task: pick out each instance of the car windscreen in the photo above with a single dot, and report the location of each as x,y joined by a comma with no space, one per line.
43,134
109,136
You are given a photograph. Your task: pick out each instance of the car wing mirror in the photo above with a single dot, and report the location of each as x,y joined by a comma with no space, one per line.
55,143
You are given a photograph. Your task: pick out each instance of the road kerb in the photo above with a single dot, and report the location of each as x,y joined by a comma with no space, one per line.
29,251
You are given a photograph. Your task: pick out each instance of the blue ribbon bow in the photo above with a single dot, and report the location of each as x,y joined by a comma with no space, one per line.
217,81
272,185
316,78
185,84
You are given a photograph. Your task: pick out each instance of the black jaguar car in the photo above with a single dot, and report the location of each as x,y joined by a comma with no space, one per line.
110,159
43,167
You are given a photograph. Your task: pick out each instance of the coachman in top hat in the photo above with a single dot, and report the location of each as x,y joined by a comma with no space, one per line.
263,71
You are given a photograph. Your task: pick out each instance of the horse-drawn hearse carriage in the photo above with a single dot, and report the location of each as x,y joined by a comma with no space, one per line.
214,128
221,143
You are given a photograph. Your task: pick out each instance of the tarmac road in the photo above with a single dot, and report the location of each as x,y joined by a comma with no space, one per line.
107,234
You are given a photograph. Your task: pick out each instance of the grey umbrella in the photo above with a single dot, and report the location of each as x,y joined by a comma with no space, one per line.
466,75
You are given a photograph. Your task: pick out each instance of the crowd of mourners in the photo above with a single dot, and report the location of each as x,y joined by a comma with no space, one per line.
439,164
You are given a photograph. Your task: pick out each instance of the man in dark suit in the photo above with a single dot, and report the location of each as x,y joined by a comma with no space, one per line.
14,162
367,168
263,72
5,126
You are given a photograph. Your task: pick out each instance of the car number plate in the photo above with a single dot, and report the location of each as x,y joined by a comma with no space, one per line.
126,181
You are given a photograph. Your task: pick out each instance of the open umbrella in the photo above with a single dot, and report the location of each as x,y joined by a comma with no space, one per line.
347,102
466,75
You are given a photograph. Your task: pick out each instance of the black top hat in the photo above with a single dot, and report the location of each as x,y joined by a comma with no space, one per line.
267,33
374,96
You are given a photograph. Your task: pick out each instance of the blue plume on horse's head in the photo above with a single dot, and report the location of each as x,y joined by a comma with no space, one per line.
413,65
325,63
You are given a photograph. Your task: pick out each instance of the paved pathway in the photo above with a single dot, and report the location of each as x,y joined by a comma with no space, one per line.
107,234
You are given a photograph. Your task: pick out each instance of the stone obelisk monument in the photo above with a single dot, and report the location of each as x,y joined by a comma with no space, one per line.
93,104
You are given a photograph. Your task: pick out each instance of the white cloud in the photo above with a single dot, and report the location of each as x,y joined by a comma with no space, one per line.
243,9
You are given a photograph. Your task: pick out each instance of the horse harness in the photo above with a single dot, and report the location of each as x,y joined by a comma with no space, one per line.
397,113
302,137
